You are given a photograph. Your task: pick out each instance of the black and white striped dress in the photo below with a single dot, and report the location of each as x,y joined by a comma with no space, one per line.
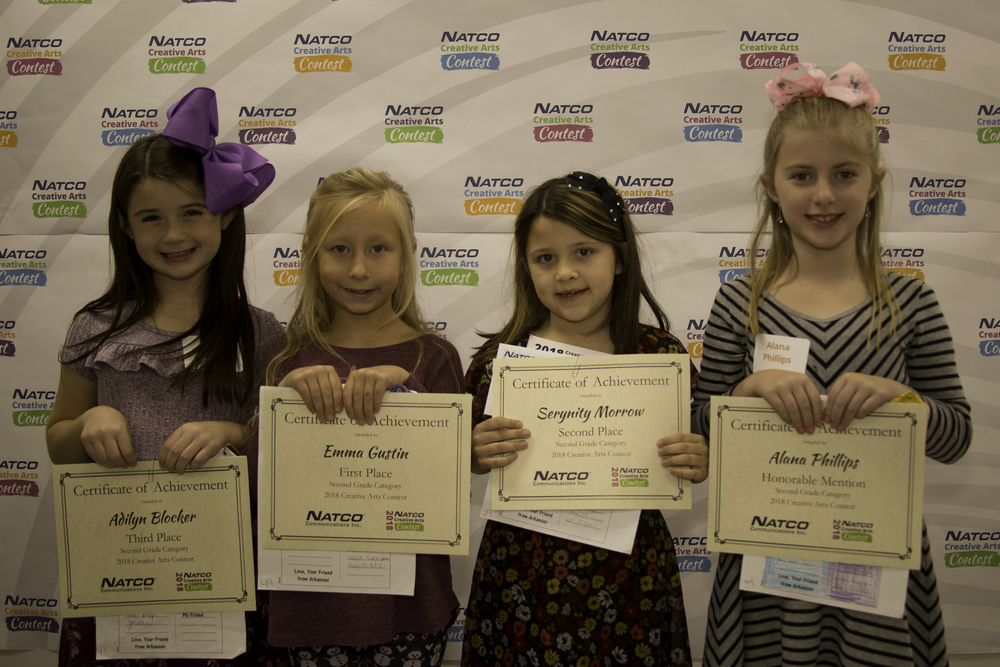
747,628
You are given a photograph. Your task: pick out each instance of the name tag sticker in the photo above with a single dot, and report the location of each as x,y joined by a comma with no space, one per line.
781,352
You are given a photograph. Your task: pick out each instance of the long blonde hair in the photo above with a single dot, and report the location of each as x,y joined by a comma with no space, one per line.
854,125
339,193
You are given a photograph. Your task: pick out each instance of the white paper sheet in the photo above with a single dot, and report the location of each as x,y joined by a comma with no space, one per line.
336,571
209,635
876,590
613,530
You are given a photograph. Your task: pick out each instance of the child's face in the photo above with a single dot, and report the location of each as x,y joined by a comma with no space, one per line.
174,232
572,273
823,187
360,262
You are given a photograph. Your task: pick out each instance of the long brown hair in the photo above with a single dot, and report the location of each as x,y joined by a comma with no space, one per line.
561,199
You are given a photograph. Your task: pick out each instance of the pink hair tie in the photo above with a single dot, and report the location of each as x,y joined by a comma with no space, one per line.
849,84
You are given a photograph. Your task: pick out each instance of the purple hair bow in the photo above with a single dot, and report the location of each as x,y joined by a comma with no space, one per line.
234,173
849,84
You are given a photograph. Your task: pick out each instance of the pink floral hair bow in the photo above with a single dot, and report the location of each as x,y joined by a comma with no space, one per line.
234,173
849,84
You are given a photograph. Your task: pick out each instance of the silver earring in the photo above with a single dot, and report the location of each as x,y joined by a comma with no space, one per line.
781,219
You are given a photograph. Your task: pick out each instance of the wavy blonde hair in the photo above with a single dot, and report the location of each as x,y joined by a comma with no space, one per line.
355,189
854,125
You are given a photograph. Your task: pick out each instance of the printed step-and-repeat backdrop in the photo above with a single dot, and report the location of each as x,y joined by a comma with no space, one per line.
470,104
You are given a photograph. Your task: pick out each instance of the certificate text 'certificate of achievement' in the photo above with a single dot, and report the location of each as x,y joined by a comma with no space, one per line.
400,485
853,496
594,424
145,540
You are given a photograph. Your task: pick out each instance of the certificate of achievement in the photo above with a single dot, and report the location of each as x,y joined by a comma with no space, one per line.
400,485
146,540
594,424
853,496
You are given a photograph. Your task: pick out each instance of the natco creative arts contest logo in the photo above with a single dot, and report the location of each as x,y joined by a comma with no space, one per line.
123,126
619,50
937,196
176,55
22,268
907,262
19,478
989,336
988,121
58,199
916,51
646,195
768,50
448,266
7,336
34,57
27,614
493,196
414,124
713,122
263,125
8,139
319,54
470,50
563,122
31,407
972,548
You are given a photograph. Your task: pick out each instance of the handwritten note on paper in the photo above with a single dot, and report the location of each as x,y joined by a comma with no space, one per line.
859,587
220,635
336,571
609,529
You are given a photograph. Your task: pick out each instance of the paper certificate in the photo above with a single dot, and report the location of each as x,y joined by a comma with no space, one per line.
850,497
218,635
399,485
594,424
337,571
145,540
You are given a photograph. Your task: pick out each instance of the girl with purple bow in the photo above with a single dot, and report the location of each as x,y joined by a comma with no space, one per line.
873,336
165,363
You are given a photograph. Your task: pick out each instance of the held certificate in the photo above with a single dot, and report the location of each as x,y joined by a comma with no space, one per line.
851,497
145,540
400,485
594,424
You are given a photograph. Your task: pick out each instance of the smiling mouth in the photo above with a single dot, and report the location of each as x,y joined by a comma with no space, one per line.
178,255
570,294
824,219
359,292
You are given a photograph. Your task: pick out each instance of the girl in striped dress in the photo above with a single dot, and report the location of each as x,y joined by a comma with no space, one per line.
873,336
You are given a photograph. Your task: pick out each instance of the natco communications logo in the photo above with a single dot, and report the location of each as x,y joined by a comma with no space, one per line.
176,55
493,196
448,266
916,51
34,57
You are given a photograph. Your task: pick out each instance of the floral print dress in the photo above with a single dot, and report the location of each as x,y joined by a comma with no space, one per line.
543,600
